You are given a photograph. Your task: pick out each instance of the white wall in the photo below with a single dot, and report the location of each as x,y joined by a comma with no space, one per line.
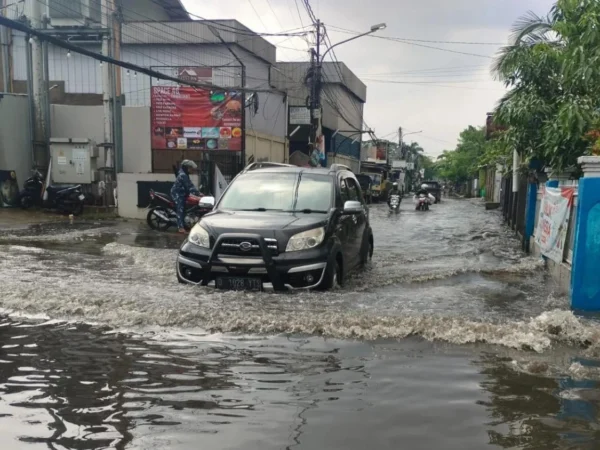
127,190
15,136
87,122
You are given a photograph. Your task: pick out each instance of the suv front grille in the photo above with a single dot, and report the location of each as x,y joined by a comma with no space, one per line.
247,247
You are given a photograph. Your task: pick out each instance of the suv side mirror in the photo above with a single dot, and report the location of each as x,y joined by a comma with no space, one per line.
207,201
353,207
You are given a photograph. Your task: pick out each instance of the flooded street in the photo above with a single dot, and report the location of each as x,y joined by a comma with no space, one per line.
452,338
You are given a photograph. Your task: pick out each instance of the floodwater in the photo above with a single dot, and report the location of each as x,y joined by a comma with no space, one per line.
451,339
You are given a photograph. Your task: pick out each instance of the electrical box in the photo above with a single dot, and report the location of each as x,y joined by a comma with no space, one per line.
74,161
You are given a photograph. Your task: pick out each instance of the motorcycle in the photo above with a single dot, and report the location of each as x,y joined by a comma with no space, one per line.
394,202
162,214
67,199
422,202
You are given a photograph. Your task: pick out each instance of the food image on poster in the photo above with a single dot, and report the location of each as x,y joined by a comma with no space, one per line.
181,143
190,113
171,143
196,144
174,132
212,144
210,133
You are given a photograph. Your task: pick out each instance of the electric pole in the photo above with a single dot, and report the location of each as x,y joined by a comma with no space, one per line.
40,144
400,143
315,99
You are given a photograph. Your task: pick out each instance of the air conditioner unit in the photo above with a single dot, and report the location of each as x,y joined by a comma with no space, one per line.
74,13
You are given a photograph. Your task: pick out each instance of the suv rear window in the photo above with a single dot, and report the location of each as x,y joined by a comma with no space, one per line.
279,192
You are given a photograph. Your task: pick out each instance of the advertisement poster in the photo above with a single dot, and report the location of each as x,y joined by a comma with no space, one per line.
551,232
381,152
196,119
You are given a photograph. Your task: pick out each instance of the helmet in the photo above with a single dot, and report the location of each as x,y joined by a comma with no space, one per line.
188,163
395,185
424,186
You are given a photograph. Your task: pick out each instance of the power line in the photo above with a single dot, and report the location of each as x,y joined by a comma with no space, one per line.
345,30
273,11
426,83
404,41
257,15
64,8
126,65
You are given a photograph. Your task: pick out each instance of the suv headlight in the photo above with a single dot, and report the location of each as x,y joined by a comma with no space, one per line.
199,236
306,240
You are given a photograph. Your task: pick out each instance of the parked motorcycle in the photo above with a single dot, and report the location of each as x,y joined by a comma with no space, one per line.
394,202
162,214
67,199
422,202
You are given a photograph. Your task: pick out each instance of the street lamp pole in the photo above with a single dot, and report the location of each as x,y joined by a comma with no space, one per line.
316,76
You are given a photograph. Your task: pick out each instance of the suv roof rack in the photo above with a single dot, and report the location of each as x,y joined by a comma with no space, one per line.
339,167
264,165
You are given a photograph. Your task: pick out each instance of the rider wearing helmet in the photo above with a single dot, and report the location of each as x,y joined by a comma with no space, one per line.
423,190
182,188
393,192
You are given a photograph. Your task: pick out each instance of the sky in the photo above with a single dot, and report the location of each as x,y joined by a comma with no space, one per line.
438,93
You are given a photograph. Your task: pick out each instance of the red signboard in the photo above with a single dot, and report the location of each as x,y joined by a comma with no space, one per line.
196,119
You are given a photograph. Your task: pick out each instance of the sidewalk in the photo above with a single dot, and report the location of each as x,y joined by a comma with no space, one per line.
15,218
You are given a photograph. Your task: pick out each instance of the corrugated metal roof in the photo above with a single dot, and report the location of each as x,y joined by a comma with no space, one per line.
175,9
198,32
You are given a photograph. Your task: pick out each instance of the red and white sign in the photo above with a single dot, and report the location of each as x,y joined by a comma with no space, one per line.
196,119
553,221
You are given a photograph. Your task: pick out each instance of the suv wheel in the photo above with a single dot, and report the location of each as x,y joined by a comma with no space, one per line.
333,276
367,253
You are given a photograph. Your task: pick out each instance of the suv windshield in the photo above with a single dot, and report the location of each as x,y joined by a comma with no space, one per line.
279,192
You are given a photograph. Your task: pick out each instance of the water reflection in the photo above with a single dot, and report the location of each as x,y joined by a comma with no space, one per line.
532,411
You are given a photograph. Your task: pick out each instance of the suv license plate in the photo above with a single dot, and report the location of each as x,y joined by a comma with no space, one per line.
239,284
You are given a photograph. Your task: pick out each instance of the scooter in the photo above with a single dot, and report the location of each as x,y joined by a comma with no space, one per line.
67,199
394,202
162,214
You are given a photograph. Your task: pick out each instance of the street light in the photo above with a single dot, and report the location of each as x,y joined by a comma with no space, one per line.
374,29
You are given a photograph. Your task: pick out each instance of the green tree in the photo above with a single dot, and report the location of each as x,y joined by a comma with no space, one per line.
551,66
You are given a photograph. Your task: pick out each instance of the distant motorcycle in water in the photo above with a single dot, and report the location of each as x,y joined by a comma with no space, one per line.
162,215
422,202
67,199
394,202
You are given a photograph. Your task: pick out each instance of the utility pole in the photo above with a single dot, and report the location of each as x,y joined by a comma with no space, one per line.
106,18
315,98
400,143
106,81
40,144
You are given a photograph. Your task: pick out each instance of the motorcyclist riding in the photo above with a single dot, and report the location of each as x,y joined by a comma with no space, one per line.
423,191
182,188
394,192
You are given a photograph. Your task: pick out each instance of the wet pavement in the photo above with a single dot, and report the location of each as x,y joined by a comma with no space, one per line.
452,338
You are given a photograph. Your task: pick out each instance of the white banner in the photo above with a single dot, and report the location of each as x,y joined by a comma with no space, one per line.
220,183
552,226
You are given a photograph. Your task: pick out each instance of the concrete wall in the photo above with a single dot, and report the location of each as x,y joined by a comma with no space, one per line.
15,136
127,190
560,273
265,148
345,160
87,122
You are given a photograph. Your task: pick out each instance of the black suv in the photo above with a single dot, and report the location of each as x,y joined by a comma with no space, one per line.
280,227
